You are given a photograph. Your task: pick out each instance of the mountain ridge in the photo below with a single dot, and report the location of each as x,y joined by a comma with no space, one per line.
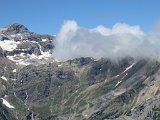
20,44
79,89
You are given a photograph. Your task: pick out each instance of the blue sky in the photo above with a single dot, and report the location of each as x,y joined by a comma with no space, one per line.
47,16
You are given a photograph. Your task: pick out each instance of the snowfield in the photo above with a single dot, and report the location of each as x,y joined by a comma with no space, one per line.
9,45
6,103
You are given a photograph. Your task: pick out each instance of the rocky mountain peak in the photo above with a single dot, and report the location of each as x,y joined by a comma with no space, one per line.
15,29
19,44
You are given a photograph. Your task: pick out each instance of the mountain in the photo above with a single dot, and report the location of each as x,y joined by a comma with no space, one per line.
25,47
33,86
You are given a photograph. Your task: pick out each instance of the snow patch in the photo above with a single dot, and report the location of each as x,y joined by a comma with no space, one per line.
4,78
5,96
9,45
21,82
6,103
116,76
14,70
129,67
44,40
22,62
117,83
13,79
27,59
13,35
26,97
60,65
18,61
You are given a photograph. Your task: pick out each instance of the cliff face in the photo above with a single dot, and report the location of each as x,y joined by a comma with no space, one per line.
78,89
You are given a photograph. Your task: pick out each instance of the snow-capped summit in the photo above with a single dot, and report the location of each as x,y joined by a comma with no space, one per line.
25,47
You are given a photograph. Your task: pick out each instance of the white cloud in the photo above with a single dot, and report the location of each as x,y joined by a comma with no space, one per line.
119,41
